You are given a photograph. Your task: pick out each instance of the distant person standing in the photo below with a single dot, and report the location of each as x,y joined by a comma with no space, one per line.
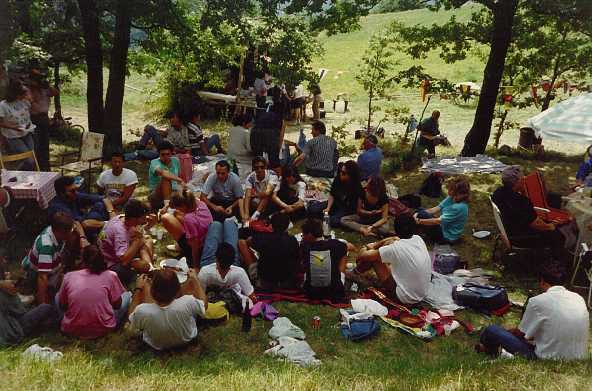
41,94
260,87
429,128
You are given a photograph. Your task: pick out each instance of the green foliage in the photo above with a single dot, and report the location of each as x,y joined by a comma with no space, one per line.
342,135
398,155
397,5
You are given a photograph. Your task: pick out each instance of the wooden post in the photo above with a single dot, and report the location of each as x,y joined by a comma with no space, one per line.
238,108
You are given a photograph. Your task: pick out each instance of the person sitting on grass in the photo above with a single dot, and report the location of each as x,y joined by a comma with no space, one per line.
177,133
44,262
320,154
188,224
201,145
90,210
163,176
259,187
345,192
164,311
224,275
94,300
223,193
555,324
123,244
278,264
226,232
402,263
288,197
117,183
323,261
445,222
372,215
370,160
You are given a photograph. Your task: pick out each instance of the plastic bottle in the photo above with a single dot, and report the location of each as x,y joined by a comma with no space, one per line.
326,226
247,319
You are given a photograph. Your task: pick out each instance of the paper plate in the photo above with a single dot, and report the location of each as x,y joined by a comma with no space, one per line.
481,234
180,267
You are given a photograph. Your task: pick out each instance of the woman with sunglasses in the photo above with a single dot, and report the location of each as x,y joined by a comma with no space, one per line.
346,190
289,197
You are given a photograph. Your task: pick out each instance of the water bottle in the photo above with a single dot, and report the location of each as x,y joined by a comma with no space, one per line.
247,318
301,139
326,226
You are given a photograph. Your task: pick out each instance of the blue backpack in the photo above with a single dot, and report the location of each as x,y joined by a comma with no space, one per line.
360,329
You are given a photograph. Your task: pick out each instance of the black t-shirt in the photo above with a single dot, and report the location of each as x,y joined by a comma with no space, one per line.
278,256
366,205
517,211
429,126
320,261
346,195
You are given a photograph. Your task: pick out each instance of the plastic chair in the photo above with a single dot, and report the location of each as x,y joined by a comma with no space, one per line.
534,189
89,156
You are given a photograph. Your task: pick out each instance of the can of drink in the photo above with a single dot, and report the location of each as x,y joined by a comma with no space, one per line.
316,322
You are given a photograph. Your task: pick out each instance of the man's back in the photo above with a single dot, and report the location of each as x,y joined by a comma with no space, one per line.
558,322
516,210
321,153
369,162
321,260
169,326
278,256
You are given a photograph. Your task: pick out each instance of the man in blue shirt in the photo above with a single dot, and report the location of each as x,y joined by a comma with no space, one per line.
371,159
90,210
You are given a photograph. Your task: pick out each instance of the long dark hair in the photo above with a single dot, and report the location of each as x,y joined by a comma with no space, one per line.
14,90
354,184
287,172
376,187
93,259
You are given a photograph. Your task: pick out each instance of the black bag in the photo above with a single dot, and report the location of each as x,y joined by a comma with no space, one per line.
412,201
432,186
484,298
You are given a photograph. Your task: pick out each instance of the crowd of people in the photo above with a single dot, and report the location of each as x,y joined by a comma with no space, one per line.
93,268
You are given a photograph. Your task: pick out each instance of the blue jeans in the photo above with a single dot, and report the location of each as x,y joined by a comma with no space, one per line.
20,145
494,337
315,210
150,133
217,233
119,313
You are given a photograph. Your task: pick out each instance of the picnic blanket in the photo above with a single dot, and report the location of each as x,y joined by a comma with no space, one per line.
295,296
441,286
463,165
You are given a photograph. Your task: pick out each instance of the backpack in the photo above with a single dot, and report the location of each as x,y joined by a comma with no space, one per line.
432,186
360,329
445,259
483,298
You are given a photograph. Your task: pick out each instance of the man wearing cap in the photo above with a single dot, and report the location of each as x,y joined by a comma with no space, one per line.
371,159
520,220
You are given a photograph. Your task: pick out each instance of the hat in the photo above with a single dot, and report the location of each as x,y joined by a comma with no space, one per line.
179,266
511,175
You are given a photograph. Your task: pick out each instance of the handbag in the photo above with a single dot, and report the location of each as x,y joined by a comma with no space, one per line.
483,298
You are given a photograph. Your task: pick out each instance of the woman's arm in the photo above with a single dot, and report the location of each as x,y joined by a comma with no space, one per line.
329,204
363,212
434,210
384,219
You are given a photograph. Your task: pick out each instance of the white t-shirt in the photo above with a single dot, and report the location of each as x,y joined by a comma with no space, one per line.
18,112
170,326
258,186
411,267
236,279
558,322
115,184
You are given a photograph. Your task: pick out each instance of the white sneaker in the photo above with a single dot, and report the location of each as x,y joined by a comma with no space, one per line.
42,353
505,354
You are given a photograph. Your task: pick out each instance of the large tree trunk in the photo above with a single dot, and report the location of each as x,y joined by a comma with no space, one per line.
57,102
503,19
94,64
117,73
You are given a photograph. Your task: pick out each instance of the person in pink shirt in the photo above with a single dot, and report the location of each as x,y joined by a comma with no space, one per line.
188,225
94,300
123,243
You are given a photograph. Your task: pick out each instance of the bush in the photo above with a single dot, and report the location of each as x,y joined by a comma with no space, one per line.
397,5
398,155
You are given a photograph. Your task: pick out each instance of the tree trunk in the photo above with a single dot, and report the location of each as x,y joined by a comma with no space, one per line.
57,102
94,64
503,20
117,74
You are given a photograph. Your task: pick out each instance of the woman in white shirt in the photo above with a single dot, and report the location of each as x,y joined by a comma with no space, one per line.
239,144
15,122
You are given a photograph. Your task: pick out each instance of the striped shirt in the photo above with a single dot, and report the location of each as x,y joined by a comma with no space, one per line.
46,254
320,153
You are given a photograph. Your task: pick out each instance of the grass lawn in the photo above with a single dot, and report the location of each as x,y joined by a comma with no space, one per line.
226,358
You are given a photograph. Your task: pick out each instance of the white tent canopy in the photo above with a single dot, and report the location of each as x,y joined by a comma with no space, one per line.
569,120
